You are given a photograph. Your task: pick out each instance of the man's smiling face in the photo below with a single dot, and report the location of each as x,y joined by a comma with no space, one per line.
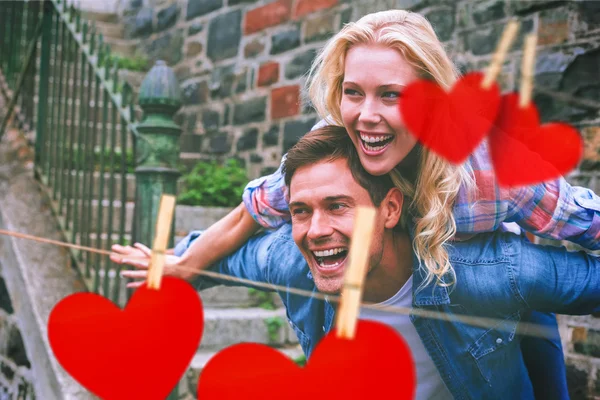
323,201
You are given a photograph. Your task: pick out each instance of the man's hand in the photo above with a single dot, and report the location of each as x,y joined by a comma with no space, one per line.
139,256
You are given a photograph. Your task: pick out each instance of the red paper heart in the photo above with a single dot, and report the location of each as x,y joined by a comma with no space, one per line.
525,153
451,124
140,352
377,364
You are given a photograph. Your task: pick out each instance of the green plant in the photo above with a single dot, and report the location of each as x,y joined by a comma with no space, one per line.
274,324
264,298
300,360
214,184
135,63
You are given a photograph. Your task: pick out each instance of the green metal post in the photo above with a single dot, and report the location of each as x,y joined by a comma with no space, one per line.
156,170
157,157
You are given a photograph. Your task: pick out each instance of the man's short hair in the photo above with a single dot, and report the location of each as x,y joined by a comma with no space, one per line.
331,143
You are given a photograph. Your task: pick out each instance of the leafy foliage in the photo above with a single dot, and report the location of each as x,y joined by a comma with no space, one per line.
214,184
300,360
135,63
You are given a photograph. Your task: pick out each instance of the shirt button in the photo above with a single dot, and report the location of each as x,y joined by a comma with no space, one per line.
323,328
498,340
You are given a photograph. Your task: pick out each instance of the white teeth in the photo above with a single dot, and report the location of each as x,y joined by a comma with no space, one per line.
374,139
322,264
327,253
371,148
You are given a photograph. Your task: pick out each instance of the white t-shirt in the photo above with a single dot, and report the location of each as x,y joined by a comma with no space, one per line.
429,382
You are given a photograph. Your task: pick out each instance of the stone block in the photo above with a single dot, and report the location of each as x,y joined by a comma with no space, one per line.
248,140
304,7
268,73
167,17
224,36
168,47
271,137
254,47
195,93
285,40
195,27
140,26
285,101
196,8
299,64
487,11
210,120
194,48
219,143
442,20
553,27
271,14
191,143
294,130
319,28
252,110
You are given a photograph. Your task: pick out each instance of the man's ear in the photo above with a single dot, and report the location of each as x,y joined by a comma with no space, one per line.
392,207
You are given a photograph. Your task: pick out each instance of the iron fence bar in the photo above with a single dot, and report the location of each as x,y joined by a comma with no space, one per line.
46,32
15,96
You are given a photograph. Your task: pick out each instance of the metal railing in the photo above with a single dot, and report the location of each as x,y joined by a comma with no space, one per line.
84,126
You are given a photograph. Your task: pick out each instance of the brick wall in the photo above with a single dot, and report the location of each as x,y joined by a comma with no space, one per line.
242,63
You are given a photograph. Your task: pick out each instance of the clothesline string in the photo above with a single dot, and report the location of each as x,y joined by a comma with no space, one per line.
525,328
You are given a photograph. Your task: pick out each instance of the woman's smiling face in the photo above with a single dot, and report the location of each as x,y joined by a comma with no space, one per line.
374,78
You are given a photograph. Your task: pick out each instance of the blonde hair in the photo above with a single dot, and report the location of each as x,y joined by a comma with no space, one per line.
434,193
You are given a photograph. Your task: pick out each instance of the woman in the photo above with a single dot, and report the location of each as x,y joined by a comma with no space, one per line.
356,81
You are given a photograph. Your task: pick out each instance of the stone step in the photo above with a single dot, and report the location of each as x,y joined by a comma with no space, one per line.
224,327
110,29
237,296
188,385
189,218
122,46
100,15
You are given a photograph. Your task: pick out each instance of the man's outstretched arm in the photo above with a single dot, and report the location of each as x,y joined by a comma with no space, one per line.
220,240
553,279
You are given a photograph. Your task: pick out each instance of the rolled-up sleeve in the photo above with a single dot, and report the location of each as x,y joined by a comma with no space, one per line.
266,199
557,210
250,262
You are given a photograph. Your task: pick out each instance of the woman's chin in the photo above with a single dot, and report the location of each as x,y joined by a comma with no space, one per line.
377,168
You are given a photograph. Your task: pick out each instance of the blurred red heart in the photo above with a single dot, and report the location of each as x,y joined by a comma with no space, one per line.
525,153
140,352
377,364
451,124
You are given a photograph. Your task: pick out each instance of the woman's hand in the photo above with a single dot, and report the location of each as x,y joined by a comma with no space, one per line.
139,257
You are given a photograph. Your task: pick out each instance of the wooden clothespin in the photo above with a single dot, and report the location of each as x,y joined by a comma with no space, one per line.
527,70
508,36
166,210
354,277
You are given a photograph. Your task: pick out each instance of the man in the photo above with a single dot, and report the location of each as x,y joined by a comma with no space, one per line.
497,275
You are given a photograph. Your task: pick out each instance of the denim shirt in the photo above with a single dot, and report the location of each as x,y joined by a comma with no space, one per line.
498,275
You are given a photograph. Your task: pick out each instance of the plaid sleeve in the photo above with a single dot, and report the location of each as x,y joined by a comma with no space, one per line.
266,199
557,210
553,209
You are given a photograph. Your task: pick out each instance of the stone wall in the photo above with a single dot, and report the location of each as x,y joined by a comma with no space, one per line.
15,372
242,66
